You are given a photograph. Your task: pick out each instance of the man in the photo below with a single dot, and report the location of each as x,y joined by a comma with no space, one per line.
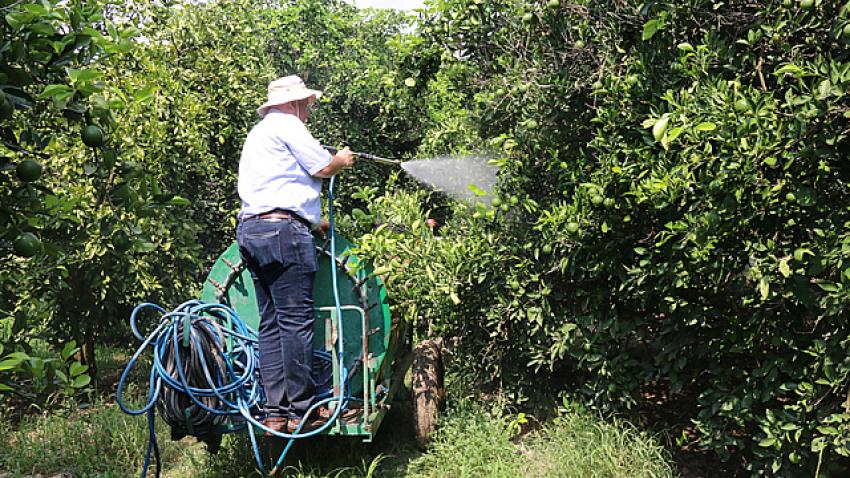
280,182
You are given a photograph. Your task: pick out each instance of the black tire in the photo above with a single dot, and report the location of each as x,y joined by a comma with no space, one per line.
429,394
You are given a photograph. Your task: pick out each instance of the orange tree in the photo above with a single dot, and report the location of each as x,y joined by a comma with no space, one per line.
672,220
74,235
211,64
135,190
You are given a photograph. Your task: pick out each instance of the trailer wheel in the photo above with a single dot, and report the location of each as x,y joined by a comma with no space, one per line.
429,394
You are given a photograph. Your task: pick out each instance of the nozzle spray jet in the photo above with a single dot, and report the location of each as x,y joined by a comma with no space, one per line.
465,177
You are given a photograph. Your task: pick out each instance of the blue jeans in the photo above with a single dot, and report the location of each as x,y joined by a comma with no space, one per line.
281,256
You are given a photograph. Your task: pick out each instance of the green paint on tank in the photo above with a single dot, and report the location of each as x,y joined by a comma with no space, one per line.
360,292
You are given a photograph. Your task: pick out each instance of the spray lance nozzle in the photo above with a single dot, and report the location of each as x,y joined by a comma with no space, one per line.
370,157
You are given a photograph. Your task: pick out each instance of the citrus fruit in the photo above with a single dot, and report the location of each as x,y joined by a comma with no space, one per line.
741,105
660,128
497,202
528,18
845,32
608,202
579,44
791,197
596,199
572,227
553,4
121,241
547,249
807,4
28,170
787,3
505,208
27,245
632,79
92,136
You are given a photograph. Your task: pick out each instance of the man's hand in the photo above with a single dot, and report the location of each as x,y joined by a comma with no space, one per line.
322,229
345,157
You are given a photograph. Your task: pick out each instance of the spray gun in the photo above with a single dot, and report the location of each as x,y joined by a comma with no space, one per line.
370,157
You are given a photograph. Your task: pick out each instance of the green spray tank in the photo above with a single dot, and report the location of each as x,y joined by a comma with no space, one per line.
378,349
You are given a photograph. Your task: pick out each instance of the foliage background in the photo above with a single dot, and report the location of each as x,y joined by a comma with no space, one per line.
671,226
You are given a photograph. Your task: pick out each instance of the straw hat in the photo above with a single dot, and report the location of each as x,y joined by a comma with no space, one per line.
287,89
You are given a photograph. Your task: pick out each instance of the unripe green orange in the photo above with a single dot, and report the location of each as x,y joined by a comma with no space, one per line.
28,170
27,245
92,136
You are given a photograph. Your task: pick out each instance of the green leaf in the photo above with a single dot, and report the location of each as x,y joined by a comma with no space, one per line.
9,364
476,190
789,69
180,201
783,267
78,369
651,27
81,381
57,92
144,95
767,442
829,286
827,430
17,20
764,288
83,75
68,350
146,246
707,126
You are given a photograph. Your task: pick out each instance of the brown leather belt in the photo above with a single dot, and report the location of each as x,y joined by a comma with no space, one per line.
279,214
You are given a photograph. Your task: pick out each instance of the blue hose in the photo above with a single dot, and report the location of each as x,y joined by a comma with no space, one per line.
235,388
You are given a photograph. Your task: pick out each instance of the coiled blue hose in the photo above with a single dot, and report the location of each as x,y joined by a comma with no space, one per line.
232,395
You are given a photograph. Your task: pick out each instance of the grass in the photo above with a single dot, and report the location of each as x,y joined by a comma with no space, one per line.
474,444
100,440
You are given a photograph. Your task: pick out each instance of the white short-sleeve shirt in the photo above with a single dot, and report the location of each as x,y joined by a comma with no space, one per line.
276,169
